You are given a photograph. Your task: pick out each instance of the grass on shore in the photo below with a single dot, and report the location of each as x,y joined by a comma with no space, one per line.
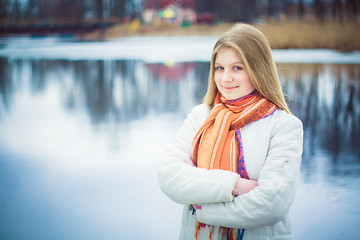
343,36
332,35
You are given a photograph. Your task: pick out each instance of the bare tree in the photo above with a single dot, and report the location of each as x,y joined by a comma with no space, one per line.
351,9
118,9
285,8
204,6
99,9
248,10
4,13
301,9
336,10
318,7
272,8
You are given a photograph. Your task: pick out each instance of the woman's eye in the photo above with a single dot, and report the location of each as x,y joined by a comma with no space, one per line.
219,68
237,68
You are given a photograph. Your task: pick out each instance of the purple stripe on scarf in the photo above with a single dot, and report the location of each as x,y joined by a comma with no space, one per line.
268,114
241,165
219,98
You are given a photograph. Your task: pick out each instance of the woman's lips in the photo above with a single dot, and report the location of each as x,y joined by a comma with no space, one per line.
229,88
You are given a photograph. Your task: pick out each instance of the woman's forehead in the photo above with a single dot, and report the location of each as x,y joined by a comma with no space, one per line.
227,54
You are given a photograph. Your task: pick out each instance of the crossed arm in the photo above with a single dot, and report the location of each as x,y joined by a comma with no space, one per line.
241,203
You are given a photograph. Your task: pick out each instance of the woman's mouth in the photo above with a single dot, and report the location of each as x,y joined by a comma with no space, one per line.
229,88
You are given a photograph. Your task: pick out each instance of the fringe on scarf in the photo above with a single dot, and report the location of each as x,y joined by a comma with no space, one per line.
221,133
224,232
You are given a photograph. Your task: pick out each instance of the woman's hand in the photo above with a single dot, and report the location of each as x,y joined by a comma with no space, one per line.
195,206
243,186
192,163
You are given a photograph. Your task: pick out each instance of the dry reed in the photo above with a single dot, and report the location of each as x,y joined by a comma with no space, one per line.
331,35
344,36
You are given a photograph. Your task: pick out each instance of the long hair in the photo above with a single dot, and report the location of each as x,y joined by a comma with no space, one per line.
254,50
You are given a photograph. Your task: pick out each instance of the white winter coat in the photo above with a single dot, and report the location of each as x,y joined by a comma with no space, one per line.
272,151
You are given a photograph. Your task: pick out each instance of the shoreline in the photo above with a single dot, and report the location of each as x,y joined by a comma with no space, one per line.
342,36
156,49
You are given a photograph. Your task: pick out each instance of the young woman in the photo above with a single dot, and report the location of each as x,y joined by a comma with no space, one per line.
235,162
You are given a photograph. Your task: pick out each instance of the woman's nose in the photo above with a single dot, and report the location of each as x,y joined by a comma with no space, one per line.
227,77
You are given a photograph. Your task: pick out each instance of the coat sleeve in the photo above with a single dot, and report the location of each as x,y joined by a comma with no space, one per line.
266,204
190,185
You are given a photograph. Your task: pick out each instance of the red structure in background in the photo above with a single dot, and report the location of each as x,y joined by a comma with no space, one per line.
161,4
169,11
171,73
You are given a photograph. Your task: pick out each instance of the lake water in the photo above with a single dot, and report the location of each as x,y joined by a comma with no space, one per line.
81,134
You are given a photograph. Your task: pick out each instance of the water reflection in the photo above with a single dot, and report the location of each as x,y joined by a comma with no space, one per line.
109,90
60,111
327,99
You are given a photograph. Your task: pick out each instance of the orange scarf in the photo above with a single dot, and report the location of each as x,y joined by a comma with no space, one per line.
217,144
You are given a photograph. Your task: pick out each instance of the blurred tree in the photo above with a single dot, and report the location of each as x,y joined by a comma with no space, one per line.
206,6
336,10
118,9
285,7
16,11
69,10
229,10
234,10
318,7
301,9
44,9
248,10
351,9
4,11
50,11
272,9
99,8
32,9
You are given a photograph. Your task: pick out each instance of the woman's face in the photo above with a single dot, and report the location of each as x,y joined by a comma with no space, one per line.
230,75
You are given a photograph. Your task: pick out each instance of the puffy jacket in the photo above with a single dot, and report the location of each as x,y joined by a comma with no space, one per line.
272,149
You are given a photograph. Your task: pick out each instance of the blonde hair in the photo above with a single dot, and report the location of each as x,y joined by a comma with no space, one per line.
254,50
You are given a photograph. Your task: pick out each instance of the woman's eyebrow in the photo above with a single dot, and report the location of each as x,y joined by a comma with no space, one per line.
234,63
